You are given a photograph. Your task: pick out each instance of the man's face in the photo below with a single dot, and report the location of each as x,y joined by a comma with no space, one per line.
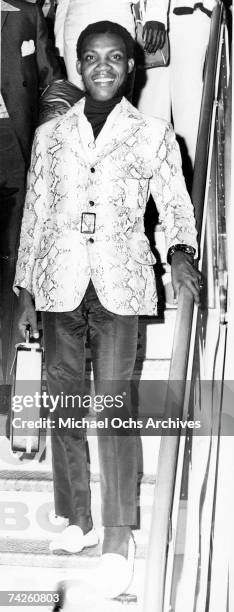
104,65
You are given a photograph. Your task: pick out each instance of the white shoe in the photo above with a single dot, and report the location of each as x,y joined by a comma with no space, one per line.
73,540
112,577
56,520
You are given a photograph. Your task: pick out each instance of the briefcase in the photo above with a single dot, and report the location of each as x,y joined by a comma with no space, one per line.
26,397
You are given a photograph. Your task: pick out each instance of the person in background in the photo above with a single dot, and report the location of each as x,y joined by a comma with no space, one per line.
28,65
175,92
72,16
85,260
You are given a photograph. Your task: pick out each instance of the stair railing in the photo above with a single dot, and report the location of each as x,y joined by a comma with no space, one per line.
168,478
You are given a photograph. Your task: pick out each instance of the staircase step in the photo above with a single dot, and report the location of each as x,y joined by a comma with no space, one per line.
28,578
26,525
156,336
40,466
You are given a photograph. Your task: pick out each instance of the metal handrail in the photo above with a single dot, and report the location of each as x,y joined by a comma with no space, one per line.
203,140
186,319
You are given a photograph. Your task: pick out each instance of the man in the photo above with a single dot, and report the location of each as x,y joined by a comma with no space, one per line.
28,65
86,261
72,16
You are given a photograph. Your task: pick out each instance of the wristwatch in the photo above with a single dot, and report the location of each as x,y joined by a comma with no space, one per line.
184,248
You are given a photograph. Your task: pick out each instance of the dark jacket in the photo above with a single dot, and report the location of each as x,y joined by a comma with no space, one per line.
25,77
57,99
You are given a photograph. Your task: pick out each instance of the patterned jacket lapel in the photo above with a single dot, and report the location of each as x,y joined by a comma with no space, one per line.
122,122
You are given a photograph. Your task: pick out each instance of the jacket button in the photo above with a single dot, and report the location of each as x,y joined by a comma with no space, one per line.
91,203
92,169
91,240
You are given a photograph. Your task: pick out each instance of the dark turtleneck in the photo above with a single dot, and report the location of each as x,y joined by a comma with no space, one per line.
97,111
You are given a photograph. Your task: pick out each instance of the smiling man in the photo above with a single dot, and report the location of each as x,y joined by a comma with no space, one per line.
85,260
104,65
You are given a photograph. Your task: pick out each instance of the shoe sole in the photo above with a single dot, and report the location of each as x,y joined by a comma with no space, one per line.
73,552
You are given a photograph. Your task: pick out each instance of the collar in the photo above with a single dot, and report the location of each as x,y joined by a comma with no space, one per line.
121,123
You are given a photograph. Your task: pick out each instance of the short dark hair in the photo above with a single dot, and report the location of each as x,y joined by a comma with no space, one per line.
107,27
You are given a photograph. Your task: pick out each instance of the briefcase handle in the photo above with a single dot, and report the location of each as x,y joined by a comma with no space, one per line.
30,341
27,334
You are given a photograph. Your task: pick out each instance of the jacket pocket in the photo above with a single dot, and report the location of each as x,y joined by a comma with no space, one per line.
141,251
26,59
29,70
45,245
131,193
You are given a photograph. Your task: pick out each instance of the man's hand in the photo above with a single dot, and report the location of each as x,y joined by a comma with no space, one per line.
153,36
27,314
184,274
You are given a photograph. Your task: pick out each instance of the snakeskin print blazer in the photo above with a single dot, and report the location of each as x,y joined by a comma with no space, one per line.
84,210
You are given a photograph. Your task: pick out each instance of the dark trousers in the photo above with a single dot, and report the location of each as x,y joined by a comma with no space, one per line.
12,193
113,343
